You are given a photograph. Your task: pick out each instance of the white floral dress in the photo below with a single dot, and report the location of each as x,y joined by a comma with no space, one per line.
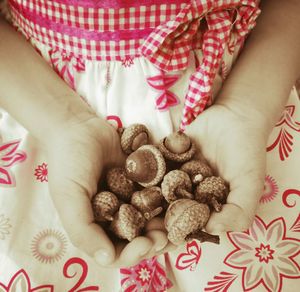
35,251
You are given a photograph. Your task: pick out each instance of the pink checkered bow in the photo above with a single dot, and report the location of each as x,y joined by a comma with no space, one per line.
217,24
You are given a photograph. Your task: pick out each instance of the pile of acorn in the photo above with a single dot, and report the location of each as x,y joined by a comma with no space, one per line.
159,180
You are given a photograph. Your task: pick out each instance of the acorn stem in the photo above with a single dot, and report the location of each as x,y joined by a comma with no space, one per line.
153,213
203,236
184,193
215,204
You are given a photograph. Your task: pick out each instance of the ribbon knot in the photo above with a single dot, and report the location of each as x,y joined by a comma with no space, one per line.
211,25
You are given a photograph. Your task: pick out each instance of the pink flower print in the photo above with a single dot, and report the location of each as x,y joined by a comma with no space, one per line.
190,258
270,190
284,140
127,61
9,156
287,193
41,172
49,246
162,83
66,64
21,282
221,282
147,276
4,227
265,255
296,225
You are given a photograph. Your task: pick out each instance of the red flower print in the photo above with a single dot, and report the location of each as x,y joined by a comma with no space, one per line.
9,156
161,83
41,172
270,190
284,139
49,246
287,194
147,276
21,282
115,121
66,64
127,61
222,282
265,255
189,259
296,225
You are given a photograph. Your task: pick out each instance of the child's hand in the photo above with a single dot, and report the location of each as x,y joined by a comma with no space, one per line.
77,156
234,144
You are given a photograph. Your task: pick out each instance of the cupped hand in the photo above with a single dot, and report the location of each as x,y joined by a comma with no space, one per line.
77,156
234,143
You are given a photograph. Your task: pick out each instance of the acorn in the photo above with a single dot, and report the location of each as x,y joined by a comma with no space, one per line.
212,191
184,221
148,201
177,147
133,137
197,170
119,184
176,184
105,205
128,222
145,166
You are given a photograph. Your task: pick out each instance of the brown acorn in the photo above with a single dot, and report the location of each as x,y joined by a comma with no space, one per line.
119,184
212,191
145,166
177,147
175,185
184,220
128,222
105,205
148,201
133,137
197,170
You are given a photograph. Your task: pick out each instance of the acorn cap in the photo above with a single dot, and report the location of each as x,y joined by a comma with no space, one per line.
119,184
184,217
197,170
105,205
177,157
176,184
146,166
133,137
212,186
128,222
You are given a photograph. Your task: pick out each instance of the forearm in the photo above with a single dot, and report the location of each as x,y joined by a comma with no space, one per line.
269,65
31,91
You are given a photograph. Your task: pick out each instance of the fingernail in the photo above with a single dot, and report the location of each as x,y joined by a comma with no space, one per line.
144,252
103,257
160,247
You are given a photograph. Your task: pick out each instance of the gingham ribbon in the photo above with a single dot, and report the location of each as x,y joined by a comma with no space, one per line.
169,45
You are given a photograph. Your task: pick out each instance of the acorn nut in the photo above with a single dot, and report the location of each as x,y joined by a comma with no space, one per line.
105,205
177,147
197,170
148,201
146,166
133,137
119,184
128,222
175,185
184,220
212,191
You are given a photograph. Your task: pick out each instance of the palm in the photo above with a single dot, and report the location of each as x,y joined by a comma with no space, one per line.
235,148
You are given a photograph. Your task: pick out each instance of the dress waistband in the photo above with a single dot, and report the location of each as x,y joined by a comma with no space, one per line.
164,32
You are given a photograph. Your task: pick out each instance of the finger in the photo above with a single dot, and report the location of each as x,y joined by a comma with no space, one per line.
77,218
129,254
159,240
239,211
